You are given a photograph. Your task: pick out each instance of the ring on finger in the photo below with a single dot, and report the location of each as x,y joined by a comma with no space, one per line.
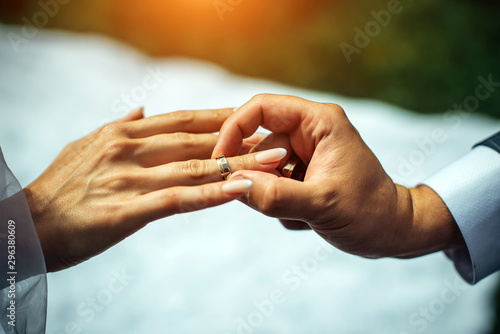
294,168
224,169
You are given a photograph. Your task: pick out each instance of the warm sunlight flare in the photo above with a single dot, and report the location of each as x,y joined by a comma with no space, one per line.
235,166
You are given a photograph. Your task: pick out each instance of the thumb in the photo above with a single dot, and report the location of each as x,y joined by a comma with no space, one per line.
279,197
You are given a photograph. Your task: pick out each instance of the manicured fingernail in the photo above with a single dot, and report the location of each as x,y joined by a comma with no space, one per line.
271,156
237,187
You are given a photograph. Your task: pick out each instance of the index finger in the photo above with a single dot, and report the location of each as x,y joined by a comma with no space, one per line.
277,113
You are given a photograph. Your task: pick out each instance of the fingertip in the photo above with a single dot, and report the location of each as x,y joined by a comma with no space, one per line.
216,152
219,150
134,115
271,156
140,112
237,185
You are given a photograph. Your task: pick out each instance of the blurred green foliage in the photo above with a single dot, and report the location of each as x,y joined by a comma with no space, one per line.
428,58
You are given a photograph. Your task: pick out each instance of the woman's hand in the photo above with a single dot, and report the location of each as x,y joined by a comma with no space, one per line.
346,196
106,186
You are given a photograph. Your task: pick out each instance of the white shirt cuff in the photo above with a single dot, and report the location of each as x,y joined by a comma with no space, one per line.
470,188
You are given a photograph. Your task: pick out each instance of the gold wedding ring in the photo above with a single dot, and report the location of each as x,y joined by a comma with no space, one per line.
225,172
294,168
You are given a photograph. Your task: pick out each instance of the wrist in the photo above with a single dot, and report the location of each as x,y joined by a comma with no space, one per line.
427,225
37,212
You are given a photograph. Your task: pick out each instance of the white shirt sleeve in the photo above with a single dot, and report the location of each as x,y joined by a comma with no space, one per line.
470,188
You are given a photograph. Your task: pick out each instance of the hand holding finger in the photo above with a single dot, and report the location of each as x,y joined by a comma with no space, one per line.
279,197
280,114
102,188
197,172
170,201
272,141
251,142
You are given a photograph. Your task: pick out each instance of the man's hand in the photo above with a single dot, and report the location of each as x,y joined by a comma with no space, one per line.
106,186
346,196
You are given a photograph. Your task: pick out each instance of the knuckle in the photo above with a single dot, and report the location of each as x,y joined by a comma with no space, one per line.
202,202
185,139
335,109
171,198
117,148
195,169
118,181
71,147
110,130
183,116
191,205
181,205
242,163
269,203
221,114
260,98
325,202
112,147
331,116
171,203
340,122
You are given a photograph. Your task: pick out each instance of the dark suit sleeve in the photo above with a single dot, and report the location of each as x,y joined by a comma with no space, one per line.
493,142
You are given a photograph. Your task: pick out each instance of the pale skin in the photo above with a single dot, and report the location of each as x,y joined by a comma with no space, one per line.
106,186
346,197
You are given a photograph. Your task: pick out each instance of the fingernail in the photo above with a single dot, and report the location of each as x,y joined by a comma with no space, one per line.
271,156
237,187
